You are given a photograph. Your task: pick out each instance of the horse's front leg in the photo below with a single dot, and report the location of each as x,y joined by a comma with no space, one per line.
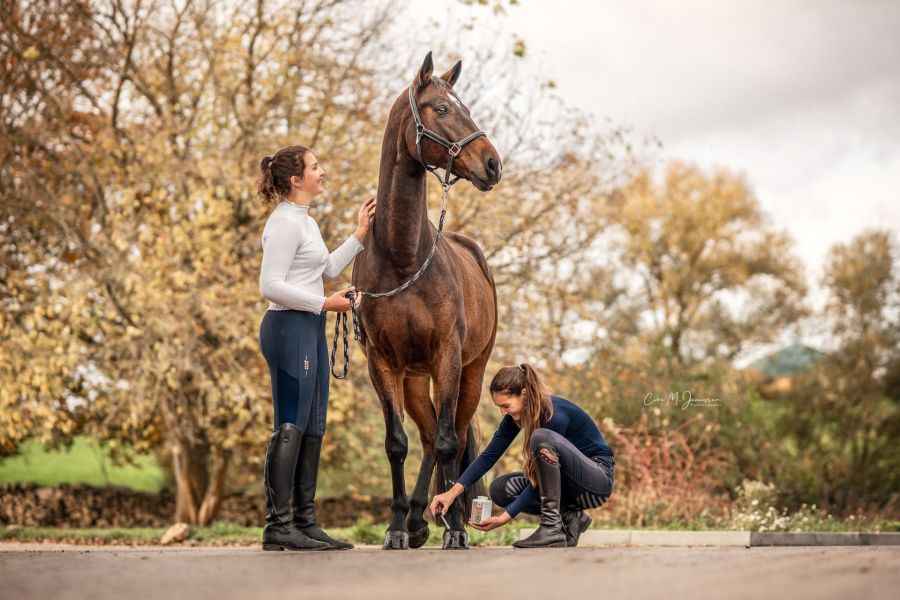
418,405
446,370
389,386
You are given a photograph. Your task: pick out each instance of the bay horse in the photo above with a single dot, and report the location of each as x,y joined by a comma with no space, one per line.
439,332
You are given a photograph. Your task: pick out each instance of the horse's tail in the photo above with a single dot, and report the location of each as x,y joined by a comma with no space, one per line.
469,456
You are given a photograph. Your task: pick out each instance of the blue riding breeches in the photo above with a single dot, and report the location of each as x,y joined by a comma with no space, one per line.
586,482
293,344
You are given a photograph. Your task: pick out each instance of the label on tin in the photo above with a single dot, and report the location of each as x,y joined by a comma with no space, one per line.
481,509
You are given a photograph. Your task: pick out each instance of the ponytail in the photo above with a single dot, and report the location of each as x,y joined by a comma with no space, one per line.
536,407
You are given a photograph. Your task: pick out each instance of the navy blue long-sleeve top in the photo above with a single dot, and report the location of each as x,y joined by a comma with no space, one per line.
568,420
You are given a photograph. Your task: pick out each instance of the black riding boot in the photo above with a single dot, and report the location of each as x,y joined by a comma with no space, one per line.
575,522
305,478
551,533
281,461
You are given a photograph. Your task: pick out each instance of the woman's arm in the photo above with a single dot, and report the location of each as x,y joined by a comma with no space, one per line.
346,252
278,253
341,257
528,495
503,438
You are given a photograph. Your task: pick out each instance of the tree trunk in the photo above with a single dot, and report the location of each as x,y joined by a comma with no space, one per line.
194,504
212,500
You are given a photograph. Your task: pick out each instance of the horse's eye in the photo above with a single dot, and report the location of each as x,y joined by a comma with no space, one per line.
442,109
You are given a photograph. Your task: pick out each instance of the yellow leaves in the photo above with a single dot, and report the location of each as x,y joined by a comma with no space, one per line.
519,48
182,280
172,380
31,53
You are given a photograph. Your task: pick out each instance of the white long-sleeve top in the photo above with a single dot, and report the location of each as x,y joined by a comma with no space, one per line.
296,260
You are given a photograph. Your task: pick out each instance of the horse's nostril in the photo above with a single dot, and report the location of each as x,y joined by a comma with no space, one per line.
492,167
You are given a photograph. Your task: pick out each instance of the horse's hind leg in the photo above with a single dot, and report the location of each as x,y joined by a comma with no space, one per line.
389,386
419,407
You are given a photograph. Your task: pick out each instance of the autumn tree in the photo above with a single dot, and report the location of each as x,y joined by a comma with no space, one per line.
143,332
844,418
51,67
712,274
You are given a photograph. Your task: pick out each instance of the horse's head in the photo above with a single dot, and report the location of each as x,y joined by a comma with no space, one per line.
442,112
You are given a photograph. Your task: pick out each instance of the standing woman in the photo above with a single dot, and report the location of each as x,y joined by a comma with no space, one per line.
569,467
292,338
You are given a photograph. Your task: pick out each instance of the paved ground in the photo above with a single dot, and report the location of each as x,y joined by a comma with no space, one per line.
62,572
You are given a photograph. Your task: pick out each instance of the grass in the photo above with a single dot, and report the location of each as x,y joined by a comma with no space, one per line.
228,534
86,461
829,526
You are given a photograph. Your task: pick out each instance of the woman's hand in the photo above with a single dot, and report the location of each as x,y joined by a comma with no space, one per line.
366,212
492,522
339,302
442,502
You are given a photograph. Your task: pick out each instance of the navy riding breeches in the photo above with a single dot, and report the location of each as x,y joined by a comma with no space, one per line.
587,482
293,344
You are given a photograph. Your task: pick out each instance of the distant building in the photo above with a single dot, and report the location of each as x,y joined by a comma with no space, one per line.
773,374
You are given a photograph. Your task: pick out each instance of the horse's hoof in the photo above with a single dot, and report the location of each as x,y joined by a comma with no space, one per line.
456,540
418,537
396,540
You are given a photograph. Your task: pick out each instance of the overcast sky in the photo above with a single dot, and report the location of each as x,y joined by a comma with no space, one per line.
801,96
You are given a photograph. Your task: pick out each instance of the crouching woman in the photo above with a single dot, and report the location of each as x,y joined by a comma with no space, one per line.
569,467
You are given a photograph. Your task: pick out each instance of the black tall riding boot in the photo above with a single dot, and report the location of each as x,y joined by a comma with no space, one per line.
305,479
281,461
575,523
551,533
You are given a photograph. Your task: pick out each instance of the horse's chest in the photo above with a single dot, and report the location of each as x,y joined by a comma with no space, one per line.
387,327
408,335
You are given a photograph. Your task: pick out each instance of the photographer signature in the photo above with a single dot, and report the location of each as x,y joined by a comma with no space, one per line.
685,399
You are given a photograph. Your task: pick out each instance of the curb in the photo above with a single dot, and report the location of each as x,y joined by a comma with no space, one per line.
772,538
734,539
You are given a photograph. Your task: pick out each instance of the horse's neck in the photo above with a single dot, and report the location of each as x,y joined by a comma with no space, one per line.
401,230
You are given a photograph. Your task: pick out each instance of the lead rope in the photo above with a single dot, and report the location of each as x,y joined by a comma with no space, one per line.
341,322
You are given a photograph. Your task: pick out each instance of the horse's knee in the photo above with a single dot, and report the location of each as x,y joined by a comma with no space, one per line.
446,447
396,446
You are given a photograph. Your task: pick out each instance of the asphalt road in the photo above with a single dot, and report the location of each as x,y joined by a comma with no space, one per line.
123,573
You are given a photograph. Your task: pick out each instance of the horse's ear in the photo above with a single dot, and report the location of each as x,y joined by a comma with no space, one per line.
453,74
423,77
